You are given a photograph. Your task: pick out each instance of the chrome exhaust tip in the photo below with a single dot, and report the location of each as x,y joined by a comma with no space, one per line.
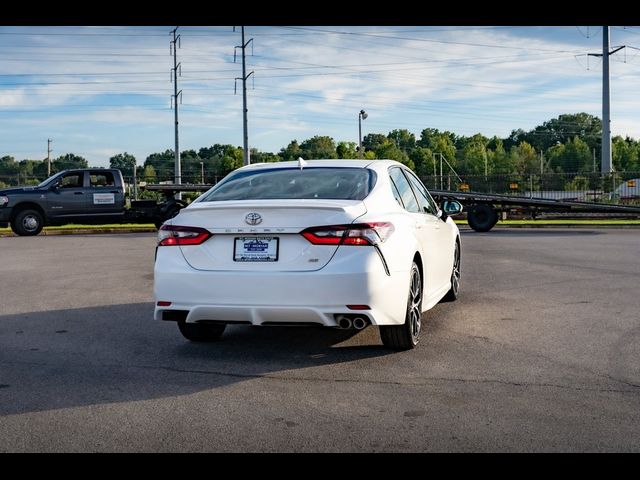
359,323
344,322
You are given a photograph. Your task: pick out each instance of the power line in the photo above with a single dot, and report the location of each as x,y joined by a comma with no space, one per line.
428,40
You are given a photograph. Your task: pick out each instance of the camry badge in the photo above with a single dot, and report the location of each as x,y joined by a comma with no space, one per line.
253,218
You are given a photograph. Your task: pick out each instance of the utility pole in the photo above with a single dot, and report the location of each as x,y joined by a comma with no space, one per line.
435,178
174,45
486,169
362,115
246,157
606,100
135,182
606,104
48,157
594,159
541,162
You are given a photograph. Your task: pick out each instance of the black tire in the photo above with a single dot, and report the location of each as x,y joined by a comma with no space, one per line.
452,294
27,223
198,332
407,335
482,218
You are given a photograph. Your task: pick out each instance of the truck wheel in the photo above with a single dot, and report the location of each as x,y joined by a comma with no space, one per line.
482,218
198,332
27,223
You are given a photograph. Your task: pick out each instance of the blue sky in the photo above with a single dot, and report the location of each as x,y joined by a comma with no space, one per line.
98,91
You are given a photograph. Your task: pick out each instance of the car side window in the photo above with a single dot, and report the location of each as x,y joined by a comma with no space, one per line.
425,200
404,189
102,179
396,193
72,180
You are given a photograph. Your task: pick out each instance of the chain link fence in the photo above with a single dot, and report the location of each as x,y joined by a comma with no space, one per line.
614,188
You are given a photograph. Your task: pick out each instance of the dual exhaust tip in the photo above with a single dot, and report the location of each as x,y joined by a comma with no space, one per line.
357,323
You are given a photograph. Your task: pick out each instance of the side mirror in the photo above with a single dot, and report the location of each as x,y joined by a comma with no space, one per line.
451,207
55,186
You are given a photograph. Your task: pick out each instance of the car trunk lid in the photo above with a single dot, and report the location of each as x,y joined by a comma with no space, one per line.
263,235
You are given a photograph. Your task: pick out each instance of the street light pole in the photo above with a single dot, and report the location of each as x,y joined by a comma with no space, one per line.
202,172
361,116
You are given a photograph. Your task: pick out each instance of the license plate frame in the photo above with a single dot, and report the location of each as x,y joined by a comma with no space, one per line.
242,254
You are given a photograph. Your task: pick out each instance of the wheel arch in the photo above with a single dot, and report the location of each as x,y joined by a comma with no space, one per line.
28,206
418,259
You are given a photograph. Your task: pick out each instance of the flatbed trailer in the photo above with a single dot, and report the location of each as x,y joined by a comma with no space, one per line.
482,208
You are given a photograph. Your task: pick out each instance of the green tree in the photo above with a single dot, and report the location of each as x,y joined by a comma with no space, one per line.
291,151
8,165
372,141
318,147
123,162
574,156
390,151
68,161
347,150
475,160
149,174
561,129
190,162
524,158
499,158
439,143
263,157
422,158
403,139
163,163
624,153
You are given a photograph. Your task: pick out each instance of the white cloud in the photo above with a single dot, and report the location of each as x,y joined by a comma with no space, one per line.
119,93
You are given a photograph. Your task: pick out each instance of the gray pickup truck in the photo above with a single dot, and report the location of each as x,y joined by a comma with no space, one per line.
91,196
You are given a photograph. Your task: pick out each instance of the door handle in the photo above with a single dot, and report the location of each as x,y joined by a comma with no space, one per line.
78,193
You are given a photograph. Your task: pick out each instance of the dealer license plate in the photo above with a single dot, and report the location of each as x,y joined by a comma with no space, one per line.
255,249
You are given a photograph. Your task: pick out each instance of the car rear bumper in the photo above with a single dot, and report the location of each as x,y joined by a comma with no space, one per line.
355,276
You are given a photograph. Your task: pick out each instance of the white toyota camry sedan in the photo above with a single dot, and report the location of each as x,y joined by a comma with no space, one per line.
338,243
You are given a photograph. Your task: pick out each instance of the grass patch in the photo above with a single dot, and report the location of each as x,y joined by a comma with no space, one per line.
110,226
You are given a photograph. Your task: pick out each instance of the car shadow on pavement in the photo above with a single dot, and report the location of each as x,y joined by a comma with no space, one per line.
118,353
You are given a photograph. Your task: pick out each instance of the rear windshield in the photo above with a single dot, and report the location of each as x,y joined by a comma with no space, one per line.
284,183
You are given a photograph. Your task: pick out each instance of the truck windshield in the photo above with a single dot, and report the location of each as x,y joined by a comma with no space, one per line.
338,183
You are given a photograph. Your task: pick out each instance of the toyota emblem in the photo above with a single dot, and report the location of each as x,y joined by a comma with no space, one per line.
253,218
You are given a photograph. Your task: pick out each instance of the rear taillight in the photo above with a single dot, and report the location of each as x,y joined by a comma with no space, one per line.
170,235
371,233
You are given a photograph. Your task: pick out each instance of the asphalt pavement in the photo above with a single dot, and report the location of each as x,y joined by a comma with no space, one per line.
540,353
